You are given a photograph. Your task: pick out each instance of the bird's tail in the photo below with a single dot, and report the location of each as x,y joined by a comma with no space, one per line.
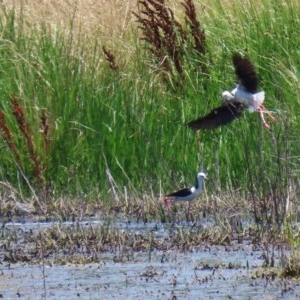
258,99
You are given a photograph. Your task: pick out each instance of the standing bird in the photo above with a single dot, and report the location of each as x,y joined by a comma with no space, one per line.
244,95
186,194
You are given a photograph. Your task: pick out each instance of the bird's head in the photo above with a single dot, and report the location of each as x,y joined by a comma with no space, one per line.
227,96
202,174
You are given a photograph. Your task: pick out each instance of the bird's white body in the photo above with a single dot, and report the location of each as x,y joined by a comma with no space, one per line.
239,94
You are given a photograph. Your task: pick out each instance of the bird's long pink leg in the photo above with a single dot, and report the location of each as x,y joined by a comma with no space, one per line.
167,202
263,119
267,112
262,111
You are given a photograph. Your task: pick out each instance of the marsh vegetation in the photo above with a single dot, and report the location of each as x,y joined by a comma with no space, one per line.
95,98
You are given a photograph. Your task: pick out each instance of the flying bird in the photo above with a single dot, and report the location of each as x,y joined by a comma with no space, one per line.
186,194
244,95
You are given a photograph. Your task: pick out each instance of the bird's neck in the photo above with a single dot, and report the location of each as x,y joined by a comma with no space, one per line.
199,183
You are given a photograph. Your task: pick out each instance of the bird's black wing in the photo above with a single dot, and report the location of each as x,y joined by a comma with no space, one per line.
219,116
182,193
245,72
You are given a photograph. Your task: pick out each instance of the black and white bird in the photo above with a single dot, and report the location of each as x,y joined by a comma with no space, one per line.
186,194
244,95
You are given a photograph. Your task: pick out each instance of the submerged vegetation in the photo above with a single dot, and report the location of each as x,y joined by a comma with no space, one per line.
103,120
64,243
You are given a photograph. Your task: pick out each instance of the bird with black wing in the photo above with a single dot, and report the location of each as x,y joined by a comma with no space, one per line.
186,194
244,96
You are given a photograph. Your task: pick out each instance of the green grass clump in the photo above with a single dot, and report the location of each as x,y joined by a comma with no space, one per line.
123,129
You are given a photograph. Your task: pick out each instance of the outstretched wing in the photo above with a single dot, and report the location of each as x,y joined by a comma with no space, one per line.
245,72
219,116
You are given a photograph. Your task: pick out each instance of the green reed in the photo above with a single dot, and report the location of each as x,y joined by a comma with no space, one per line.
125,128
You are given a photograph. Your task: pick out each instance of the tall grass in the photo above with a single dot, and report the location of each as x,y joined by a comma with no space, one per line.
125,128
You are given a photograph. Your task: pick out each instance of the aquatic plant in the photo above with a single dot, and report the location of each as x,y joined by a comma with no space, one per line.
169,42
118,137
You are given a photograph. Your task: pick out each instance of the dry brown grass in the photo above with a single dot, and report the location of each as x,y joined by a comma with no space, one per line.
110,22
110,19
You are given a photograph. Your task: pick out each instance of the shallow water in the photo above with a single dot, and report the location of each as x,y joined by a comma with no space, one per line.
211,272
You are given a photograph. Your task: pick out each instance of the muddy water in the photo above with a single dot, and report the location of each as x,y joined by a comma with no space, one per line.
211,272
